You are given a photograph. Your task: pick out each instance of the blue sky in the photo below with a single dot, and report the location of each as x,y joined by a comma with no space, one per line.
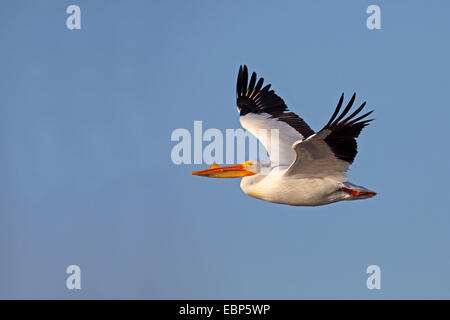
86,176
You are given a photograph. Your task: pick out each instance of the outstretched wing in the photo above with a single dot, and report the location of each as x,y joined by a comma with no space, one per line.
332,149
261,111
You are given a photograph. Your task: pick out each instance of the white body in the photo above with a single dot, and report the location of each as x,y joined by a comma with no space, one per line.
306,168
296,191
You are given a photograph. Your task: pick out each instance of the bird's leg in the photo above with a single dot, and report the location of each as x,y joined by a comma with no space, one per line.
357,193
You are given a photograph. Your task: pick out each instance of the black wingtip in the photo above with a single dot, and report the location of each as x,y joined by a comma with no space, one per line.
336,111
346,110
252,97
338,119
344,132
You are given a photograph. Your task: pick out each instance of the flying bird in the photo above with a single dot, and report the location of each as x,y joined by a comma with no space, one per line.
306,168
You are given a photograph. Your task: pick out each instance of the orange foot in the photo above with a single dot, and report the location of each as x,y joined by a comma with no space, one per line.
357,193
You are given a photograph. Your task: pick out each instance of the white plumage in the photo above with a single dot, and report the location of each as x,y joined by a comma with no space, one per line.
306,168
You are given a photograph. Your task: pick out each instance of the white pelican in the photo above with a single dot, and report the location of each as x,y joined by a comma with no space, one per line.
311,167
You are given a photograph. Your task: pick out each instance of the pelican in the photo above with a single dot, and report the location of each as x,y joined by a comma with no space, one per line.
310,167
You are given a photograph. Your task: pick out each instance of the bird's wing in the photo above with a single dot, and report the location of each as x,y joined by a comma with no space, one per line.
265,115
330,151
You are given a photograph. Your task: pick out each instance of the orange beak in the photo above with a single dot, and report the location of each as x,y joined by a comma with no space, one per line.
233,171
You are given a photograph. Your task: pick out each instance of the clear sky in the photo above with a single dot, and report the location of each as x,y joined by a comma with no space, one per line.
86,176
